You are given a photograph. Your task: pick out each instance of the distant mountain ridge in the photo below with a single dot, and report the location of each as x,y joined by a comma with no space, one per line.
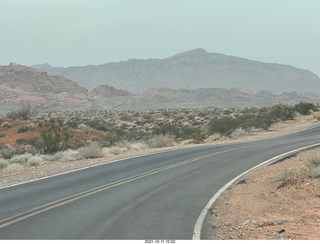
22,85
191,70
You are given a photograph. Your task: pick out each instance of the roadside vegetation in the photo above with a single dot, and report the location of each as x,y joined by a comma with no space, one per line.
30,138
294,176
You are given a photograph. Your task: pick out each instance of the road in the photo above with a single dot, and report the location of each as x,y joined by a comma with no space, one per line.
158,196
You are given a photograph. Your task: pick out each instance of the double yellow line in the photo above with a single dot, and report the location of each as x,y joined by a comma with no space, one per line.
46,207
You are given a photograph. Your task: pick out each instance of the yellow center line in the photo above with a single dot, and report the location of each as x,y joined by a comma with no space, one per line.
40,209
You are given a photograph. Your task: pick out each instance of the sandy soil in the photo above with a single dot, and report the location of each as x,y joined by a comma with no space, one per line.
262,209
247,211
256,209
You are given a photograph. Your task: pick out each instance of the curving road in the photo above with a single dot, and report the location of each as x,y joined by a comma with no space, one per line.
158,196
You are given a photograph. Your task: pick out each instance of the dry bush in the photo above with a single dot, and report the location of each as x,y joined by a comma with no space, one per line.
6,151
116,150
3,163
13,168
93,150
20,159
296,175
69,155
55,157
35,160
214,137
161,140
128,146
238,133
314,158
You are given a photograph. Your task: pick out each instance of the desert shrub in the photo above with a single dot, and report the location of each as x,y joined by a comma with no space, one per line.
214,137
93,150
168,129
135,135
111,139
295,175
6,151
6,124
35,160
20,159
247,121
314,159
135,146
264,119
52,157
304,108
21,141
35,142
69,155
2,135
30,149
55,137
23,128
270,115
161,140
3,163
224,125
102,127
76,144
24,113
115,150
126,117
281,112
196,134
124,144
238,132
13,168
181,132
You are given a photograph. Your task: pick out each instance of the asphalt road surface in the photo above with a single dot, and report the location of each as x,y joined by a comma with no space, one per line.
158,196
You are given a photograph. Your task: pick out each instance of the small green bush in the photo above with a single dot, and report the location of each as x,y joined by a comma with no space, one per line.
224,125
23,129
22,141
6,151
304,108
55,137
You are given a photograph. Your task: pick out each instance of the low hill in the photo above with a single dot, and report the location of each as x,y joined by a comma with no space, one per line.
167,98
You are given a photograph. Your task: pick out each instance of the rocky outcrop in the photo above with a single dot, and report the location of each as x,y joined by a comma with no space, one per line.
105,91
21,85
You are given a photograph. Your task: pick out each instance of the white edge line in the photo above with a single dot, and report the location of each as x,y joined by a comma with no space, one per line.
88,167
103,163
199,223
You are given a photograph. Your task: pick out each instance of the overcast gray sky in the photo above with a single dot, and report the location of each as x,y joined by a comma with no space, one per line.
80,32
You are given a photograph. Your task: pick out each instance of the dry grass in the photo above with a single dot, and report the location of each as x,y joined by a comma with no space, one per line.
314,158
294,176
3,163
93,150
157,141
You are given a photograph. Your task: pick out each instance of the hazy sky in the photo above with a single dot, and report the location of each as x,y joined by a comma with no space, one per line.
80,32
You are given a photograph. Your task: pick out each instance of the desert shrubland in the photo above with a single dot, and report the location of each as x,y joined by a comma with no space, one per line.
72,135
